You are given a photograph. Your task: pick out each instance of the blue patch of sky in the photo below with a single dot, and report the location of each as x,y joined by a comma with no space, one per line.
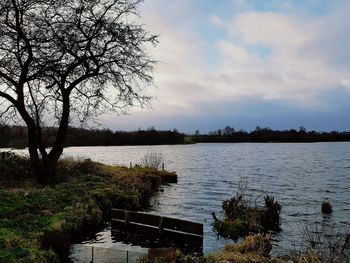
260,50
312,7
209,32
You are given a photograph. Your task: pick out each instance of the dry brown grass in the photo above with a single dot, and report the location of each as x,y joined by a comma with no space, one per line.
254,249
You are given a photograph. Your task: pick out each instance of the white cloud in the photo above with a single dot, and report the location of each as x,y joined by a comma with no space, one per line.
274,29
289,71
346,83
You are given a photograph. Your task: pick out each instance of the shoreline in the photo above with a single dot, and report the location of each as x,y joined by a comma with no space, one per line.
82,200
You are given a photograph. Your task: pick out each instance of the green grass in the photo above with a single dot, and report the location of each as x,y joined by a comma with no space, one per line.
84,198
188,139
230,228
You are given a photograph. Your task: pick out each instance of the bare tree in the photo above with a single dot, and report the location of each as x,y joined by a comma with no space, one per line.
61,59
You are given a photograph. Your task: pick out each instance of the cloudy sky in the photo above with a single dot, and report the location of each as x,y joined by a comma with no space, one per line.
246,63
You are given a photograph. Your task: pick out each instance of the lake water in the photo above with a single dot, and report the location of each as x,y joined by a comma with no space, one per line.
299,176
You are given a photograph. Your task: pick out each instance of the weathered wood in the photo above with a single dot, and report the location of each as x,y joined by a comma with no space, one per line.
145,219
118,223
154,232
183,226
118,214
183,237
157,221
163,228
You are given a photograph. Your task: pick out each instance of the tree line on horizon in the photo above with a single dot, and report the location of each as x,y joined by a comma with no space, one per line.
16,136
266,134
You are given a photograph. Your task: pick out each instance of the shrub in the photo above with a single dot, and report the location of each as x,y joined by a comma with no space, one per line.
152,160
243,216
14,167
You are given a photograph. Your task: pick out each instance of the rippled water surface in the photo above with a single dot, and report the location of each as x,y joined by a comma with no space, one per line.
300,176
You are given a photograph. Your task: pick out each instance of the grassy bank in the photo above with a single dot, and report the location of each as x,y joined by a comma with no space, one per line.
82,199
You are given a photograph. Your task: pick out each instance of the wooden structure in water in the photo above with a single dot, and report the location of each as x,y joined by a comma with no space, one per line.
159,231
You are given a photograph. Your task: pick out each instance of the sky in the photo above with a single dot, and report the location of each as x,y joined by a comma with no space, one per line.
245,63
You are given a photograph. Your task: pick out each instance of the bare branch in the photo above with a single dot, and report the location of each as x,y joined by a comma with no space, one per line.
71,58
8,97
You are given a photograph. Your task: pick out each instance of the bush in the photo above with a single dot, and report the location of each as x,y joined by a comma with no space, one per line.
243,216
152,160
14,167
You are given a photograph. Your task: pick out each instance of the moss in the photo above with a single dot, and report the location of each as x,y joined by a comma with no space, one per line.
230,228
82,200
15,248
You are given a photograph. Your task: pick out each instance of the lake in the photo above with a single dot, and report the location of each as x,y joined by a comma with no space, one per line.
300,176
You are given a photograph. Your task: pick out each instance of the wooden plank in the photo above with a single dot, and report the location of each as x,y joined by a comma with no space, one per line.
146,219
183,237
142,218
167,233
154,221
151,230
118,223
136,228
118,214
183,226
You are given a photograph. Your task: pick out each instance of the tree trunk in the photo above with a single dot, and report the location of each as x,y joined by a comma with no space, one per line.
48,175
44,171
44,165
43,168
58,146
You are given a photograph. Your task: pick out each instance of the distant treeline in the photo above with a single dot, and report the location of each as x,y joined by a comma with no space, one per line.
229,134
16,137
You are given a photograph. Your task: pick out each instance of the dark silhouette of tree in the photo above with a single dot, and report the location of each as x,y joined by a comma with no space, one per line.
266,134
228,131
62,60
302,129
197,133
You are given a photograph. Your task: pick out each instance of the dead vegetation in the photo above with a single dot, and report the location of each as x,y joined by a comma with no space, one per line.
243,216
